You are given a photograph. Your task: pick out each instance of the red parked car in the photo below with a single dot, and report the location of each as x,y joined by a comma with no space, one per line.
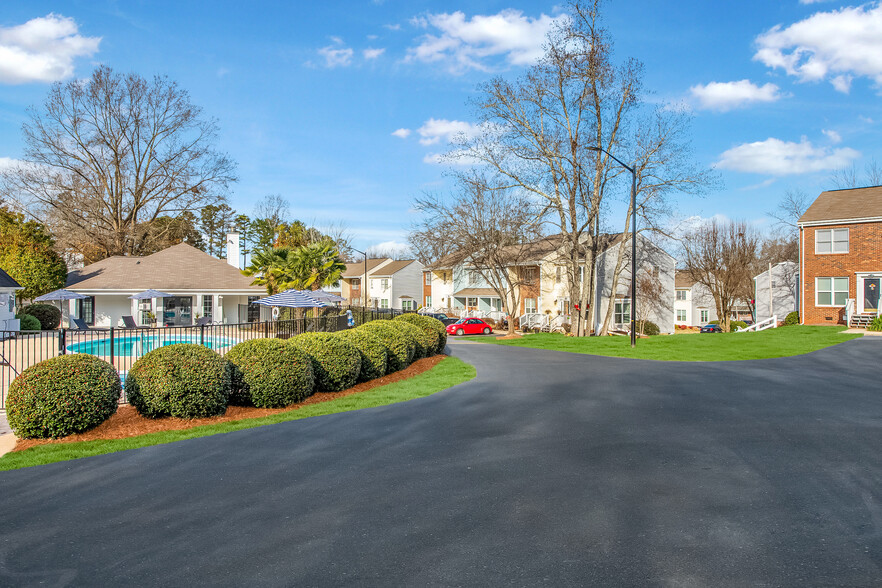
469,326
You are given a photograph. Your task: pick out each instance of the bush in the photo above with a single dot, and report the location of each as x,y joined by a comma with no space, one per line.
28,322
417,337
48,315
183,380
335,362
875,324
649,327
431,326
400,348
792,318
374,355
734,325
269,373
713,322
61,396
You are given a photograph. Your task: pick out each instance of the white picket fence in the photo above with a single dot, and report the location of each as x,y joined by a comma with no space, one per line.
769,323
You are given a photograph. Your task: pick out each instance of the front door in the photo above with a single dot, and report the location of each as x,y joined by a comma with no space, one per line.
871,294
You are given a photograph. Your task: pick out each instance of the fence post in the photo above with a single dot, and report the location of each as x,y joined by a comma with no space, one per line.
62,340
111,345
202,334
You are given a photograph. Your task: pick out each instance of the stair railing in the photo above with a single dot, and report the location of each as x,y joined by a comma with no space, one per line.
849,311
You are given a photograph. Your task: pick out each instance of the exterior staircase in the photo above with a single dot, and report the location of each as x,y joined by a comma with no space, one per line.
861,321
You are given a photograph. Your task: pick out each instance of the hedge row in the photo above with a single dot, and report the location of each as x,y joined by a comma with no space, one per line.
73,393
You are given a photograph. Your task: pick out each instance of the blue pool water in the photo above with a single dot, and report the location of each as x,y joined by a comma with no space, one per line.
136,346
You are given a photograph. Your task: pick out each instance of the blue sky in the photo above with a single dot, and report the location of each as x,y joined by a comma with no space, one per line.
339,106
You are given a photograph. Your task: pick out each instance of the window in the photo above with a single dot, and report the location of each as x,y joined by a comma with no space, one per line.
557,275
681,316
208,306
831,291
356,283
623,312
86,310
384,283
253,315
471,302
681,294
428,278
428,302
831,241
705,316
408,305
474,278
384,303
530,305
530,275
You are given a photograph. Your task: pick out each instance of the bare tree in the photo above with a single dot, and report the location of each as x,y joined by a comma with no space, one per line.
111,153
651,297
377,251
495,233
849,177
537,134
722,257
273,208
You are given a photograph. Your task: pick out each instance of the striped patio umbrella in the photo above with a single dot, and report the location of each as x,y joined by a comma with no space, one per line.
59,295
147,294
293,299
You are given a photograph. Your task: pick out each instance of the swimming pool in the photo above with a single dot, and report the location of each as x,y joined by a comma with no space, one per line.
138,345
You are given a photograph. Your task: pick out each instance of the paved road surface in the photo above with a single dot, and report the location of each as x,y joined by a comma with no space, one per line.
547,469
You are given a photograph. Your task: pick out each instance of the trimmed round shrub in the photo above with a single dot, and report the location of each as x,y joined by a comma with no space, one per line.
183,380
28,322
792,318
374,355
649,328
734,325
269,373
48,314
335,362
61,396
420,339
433,328
400,348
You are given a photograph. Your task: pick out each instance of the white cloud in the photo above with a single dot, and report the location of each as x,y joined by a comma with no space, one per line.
725,96
42,50
392,247
8,162
372,53
392,27
462,43
833,136
780,158
402,133
838,45
336,55
436,129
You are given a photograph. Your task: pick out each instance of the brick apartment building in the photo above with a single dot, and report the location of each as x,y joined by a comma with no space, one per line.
840,238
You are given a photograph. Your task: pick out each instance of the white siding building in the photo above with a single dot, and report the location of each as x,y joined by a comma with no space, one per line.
693,304
780,296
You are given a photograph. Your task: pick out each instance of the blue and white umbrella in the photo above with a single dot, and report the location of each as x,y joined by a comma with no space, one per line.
147,294
293,299
60,295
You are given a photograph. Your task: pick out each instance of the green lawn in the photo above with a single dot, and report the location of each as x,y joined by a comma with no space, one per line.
780,342
447,373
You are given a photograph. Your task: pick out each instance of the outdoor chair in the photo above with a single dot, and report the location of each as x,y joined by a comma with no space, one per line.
129,322
79,324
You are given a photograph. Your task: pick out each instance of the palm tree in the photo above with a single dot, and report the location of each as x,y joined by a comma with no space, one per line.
315,265
269,268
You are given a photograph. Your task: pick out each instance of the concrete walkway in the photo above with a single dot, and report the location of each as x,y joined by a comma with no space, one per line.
548,468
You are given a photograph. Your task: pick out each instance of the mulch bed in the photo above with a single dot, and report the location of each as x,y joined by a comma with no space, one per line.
126,422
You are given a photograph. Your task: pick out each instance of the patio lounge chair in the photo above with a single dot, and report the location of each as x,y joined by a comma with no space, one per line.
130,323
79,324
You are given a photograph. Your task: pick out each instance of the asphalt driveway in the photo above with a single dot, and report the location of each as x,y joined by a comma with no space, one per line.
548,468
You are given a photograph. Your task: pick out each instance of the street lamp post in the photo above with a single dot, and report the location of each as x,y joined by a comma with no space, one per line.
633,241
364,279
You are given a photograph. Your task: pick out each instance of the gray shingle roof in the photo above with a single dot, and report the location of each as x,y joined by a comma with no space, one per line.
851,204
6,281
180,267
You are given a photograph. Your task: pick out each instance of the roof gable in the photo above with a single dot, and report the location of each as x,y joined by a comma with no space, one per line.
7,281
180,267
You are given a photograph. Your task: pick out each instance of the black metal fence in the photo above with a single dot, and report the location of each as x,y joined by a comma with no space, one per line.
121,347
363,315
